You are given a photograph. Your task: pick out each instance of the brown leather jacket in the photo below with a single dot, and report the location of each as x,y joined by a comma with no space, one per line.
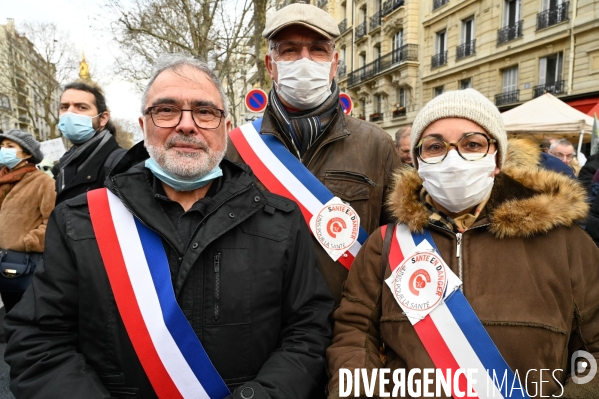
529,272
355,160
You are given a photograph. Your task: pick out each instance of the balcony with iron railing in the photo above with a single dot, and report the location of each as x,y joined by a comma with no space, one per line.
552,16
361,30
341,70
439,59
466,49
439,3
507,97
391,5
375,20
407,52
342,26
509,32
558,87
376,117
322,3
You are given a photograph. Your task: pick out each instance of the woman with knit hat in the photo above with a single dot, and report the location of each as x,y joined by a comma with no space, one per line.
27,197
486,270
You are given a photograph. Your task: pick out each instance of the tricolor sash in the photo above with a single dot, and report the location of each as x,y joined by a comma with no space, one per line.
167,347
284,174
451,332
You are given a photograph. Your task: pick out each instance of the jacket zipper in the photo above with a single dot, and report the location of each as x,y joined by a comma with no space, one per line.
459,237
458,254
216,286
356,176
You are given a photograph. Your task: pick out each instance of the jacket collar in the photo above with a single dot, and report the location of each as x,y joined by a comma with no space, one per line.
131,181
524,201
337,129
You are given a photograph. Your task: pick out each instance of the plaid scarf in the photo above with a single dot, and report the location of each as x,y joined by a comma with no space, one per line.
305,128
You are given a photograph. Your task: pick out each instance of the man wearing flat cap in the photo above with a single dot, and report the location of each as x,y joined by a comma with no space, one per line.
307,149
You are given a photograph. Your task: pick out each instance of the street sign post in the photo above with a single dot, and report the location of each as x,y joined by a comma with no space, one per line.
346,103
256,100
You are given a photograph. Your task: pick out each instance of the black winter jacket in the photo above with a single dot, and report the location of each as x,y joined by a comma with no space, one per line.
90,177
592,223
66,338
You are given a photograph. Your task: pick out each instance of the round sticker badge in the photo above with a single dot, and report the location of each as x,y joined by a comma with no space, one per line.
420,282
336,227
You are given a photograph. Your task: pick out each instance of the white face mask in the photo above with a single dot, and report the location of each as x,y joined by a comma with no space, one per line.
457,184
304,83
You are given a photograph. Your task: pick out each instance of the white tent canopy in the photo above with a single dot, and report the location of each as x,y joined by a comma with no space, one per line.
548,116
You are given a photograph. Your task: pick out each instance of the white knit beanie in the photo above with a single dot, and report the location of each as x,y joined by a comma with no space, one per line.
468,104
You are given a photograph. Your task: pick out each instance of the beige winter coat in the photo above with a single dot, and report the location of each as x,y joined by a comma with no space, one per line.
25,211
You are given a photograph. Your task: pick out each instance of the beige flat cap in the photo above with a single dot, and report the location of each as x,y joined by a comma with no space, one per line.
301,14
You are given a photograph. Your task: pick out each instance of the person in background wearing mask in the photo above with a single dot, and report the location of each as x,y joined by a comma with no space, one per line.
27,198
502,239
85,121
335,156
402,144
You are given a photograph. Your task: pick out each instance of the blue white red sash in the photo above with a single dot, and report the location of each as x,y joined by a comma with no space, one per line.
283,174
453,335
169,351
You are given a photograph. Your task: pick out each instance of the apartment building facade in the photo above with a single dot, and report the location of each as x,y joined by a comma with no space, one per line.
20,65
398,54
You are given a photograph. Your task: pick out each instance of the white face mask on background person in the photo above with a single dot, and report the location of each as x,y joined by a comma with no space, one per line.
457,184
303,84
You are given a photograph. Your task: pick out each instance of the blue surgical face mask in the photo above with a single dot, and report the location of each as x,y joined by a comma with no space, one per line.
77,128
9,158
182,185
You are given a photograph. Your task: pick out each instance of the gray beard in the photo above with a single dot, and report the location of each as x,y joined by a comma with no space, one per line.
183,165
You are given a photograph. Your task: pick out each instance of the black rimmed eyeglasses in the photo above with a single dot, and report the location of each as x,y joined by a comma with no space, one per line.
170,116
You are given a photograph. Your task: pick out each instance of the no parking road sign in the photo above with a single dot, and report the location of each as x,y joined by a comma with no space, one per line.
256,100
346,103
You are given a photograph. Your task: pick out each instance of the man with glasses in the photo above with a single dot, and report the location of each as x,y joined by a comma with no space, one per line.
564,150
349,160
181,279
486,270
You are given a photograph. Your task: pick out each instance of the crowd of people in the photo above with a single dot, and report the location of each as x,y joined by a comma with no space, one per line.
266,261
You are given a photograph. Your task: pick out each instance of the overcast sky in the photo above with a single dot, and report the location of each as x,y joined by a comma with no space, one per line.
86,22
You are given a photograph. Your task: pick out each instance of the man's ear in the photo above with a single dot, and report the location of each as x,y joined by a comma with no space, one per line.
269,67
104,119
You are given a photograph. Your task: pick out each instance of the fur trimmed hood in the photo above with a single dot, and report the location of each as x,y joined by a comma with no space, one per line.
525,201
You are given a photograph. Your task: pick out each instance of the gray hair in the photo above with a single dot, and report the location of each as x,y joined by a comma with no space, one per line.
403,132
563,142
174,62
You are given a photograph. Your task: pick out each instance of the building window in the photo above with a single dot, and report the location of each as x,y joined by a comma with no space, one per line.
509,87
378,109
466,84
6,124
550,76
400,105
437,91
439,3
554,12
397,44
4,101
512,24
467,47
440,58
